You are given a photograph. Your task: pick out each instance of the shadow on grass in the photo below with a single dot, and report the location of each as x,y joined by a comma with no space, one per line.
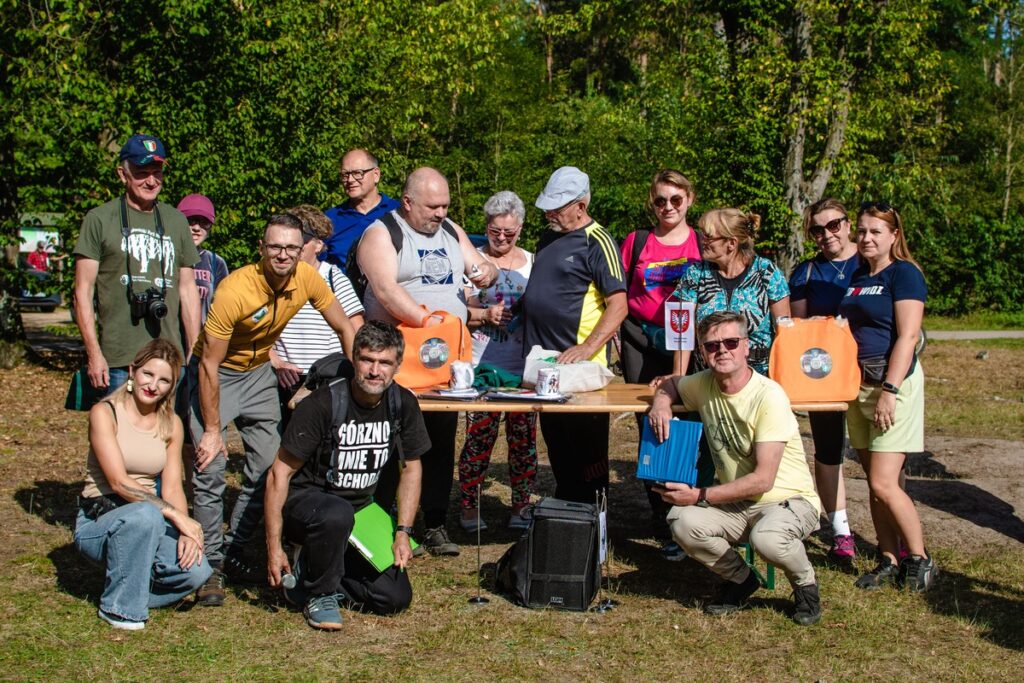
995,607
931,483
55,502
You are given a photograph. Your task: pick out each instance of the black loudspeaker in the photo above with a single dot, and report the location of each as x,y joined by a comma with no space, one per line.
563,559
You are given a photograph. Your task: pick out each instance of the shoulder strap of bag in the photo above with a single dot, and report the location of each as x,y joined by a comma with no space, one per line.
394,230
640,238
394,398
340,397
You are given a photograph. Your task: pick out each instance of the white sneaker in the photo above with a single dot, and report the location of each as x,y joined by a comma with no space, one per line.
118,622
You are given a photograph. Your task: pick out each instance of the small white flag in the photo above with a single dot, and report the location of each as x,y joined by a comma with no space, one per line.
679,325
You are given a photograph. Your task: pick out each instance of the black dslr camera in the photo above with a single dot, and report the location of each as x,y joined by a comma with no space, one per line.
150,303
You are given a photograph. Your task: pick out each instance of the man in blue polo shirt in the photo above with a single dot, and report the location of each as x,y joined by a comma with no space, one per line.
360,174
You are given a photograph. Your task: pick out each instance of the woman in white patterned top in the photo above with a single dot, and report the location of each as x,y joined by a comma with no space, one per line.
307,338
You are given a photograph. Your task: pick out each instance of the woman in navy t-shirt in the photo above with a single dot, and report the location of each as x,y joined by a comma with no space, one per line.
816,287
884,304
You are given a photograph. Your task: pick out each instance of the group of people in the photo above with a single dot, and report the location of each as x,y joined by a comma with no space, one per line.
184,349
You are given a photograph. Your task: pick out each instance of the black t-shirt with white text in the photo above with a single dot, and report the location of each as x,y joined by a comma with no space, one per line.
362,448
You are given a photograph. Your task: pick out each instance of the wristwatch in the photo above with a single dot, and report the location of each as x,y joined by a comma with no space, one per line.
702,498
890,387
406,529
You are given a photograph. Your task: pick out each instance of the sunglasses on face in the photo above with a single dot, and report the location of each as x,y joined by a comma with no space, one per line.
498,232
832,226
730,344
676,200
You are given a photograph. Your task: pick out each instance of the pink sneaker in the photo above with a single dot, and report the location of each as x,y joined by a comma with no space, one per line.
843,548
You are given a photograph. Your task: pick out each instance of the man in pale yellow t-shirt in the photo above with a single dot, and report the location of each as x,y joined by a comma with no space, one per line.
231,380
765,494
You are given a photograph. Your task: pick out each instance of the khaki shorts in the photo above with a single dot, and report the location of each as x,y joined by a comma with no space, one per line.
907,433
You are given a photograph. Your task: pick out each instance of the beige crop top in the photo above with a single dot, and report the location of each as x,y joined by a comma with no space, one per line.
145,455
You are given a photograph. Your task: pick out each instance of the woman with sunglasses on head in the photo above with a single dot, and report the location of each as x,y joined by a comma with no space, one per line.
140,531
734,278
885,304
496,345
654,259
818,285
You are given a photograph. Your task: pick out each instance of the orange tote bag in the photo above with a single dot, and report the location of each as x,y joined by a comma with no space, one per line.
430,351
815,359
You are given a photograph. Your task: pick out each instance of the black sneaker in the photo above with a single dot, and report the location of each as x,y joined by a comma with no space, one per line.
436,542
731,597
917,573
239,571
884,574
808,605
212,593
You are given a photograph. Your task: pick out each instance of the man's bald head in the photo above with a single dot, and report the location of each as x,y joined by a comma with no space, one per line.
425,200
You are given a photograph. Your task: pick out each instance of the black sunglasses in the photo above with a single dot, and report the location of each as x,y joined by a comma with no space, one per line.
730,344
676,199
878,206
832,226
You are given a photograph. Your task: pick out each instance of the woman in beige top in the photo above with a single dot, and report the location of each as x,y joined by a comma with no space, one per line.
132,514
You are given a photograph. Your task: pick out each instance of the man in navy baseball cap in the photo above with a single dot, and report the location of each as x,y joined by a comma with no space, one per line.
143,150
135,257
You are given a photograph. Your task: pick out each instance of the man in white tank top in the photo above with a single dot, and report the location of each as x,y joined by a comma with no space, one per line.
427,271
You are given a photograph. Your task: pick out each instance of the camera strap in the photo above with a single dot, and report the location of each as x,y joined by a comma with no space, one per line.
126,232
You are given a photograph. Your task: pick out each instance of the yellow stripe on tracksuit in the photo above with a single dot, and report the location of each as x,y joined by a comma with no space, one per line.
593,301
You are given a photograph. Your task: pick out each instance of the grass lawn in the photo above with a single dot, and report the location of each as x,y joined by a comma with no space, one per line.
968,627
980,320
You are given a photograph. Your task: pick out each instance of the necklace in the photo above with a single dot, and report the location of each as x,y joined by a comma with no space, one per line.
841,271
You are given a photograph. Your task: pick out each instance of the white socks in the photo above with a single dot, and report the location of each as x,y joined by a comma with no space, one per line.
840,524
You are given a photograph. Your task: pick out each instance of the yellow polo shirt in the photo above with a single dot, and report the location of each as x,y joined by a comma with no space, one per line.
247,313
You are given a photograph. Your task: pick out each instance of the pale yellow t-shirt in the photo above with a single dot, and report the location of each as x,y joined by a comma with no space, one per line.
733,423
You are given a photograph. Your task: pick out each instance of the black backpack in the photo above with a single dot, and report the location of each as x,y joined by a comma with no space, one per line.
352,270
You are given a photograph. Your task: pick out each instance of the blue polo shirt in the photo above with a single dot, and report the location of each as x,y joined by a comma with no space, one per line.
349,225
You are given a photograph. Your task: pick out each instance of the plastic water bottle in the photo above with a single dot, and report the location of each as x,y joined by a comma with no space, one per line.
288,581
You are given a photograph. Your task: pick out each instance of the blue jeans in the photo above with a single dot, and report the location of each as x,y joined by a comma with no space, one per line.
139,549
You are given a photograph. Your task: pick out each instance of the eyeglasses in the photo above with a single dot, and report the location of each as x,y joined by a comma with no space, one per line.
730,344
498,232
356,174
708,239
878,206
661,202
832,226
290,249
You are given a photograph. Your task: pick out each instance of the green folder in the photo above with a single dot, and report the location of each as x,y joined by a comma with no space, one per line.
374,534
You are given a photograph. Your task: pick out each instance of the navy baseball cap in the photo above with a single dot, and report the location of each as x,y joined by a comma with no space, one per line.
143,150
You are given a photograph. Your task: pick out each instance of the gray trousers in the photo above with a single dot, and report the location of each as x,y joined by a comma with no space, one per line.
776,531
249,399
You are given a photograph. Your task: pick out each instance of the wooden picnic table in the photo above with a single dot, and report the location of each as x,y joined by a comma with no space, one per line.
614,398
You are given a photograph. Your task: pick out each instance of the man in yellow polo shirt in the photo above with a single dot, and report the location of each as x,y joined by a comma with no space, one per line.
765,493
232,380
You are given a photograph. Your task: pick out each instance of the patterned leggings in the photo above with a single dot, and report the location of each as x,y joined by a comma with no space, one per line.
481,434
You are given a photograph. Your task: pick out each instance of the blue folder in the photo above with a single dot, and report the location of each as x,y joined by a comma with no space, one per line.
675,459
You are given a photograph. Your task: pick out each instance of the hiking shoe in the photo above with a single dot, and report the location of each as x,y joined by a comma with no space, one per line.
473,524
917,573
884,574
121,622
521,517
436,542
731,597
212,593
843,548
808,605
672,552
322,612
418,551
237,570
